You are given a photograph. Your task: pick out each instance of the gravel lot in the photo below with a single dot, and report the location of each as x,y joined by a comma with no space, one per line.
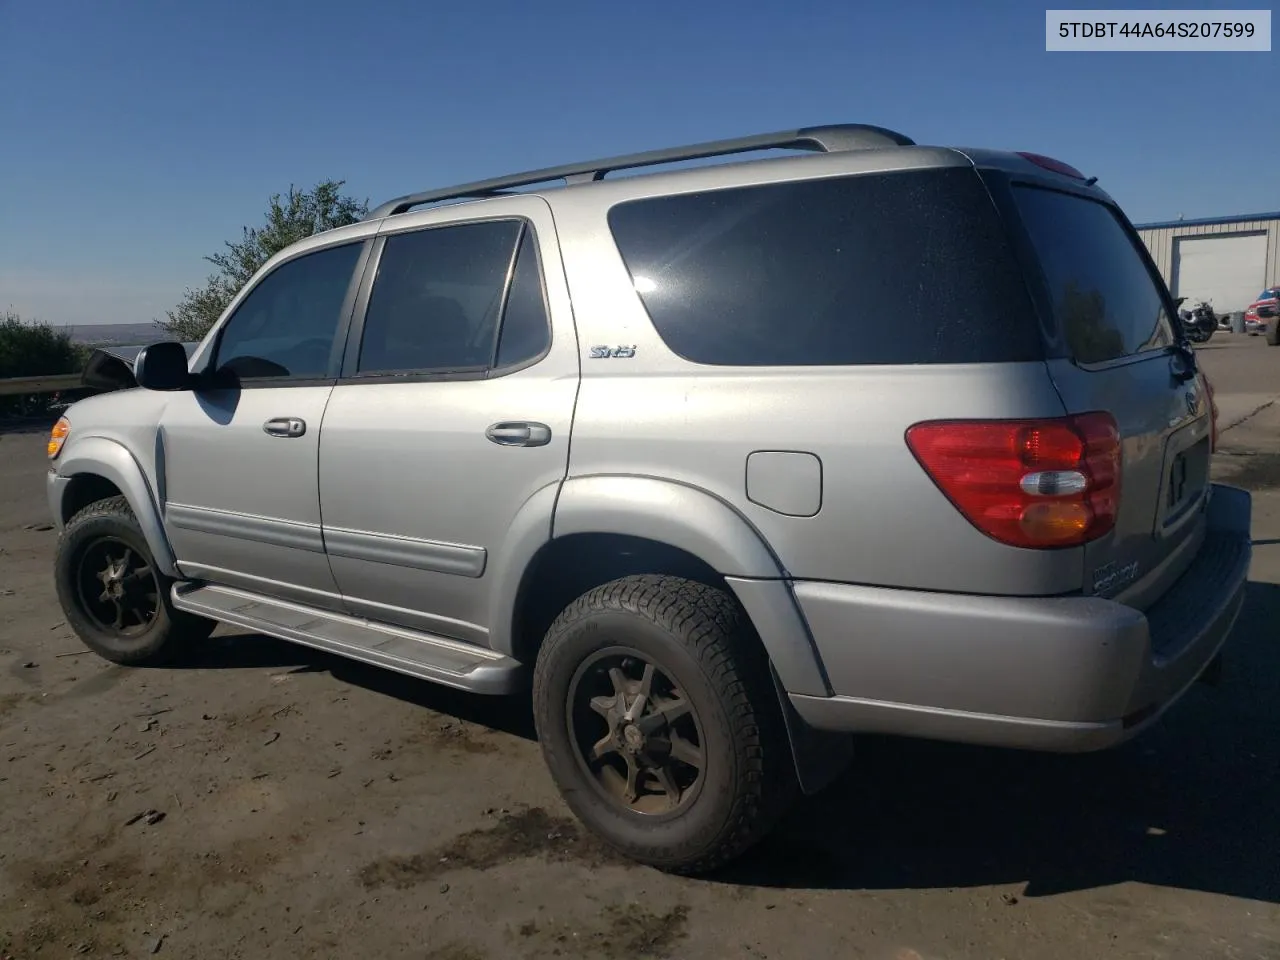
296,805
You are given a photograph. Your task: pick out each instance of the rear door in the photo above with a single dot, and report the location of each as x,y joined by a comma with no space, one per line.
452,413
1116,350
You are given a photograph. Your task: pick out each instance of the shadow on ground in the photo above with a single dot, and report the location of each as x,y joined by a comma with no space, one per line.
511,715
1190,804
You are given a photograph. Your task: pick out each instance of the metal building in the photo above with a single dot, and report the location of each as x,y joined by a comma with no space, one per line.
1227,261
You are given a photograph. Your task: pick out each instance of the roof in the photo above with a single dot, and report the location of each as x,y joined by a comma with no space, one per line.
1210,221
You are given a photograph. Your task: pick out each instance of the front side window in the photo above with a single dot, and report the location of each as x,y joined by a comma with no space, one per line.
286,325
437,299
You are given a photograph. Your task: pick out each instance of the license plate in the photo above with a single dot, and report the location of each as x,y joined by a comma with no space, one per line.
1179,482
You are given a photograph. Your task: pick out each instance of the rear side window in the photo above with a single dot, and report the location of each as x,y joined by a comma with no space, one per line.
901,268
437,297
526,333
1103,297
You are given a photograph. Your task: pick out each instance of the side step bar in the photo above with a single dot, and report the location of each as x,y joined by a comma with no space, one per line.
422,655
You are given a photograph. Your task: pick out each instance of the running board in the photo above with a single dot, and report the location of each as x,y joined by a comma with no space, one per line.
422,655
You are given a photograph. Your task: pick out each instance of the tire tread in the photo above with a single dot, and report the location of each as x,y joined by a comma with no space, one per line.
179,628
714,629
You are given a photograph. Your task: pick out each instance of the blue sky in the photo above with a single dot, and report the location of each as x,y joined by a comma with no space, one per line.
140,134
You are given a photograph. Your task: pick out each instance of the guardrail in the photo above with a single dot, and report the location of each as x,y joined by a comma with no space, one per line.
25,386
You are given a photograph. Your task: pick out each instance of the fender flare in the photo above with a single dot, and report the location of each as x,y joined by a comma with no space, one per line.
112,461
530,529
701,524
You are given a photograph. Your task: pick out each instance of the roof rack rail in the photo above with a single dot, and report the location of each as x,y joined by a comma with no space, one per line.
827,139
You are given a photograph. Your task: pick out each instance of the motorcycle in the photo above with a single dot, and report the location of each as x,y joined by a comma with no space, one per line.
1199,323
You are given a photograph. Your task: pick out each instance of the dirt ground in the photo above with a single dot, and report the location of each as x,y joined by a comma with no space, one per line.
268,801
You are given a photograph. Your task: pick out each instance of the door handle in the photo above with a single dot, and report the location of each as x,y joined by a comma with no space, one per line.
285,427
519,433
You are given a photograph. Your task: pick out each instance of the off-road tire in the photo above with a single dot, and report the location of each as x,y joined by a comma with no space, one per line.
700,637
168,634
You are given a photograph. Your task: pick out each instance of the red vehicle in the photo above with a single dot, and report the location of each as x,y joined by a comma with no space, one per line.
1263,313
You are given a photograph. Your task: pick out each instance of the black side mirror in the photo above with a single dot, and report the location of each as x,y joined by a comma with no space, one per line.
162,366
1180,301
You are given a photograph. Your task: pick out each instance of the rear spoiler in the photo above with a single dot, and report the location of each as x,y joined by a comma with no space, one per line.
111,368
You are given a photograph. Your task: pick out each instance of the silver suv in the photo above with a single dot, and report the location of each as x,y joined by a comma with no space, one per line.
735,460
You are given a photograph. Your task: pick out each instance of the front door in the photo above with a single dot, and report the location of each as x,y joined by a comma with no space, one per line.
239,456
453,411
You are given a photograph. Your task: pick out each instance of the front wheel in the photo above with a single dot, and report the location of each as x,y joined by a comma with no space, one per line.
1273,332
659,722
111,592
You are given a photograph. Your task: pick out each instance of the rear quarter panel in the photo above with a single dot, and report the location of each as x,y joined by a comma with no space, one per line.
881,520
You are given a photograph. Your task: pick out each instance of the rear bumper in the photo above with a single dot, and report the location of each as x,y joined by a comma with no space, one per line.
1064,674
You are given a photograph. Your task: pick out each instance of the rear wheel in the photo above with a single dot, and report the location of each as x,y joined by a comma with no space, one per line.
111,592
659,722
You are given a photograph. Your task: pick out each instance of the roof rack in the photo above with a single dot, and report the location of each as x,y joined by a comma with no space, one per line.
828,139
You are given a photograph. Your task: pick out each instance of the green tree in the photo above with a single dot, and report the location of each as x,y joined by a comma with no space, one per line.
289,218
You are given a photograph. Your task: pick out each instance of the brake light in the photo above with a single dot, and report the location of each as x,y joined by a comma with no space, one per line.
1027,483
1048,163
1213,415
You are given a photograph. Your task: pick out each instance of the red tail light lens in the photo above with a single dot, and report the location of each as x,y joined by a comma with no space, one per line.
1213,412
1027,483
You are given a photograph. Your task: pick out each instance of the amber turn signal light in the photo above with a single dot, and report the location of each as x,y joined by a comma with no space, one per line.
58,436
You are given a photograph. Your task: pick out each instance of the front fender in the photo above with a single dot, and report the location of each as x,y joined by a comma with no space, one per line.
700,524
112,461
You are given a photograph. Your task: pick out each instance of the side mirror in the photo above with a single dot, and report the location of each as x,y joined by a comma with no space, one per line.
1180,301
162,366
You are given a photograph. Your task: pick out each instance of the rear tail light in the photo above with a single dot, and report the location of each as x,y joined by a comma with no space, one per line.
1213,415
1027,483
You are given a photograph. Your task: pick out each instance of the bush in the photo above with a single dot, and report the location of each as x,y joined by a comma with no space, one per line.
31,349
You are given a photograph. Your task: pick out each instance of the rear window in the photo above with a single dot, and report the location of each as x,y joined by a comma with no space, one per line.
1103,297
901,268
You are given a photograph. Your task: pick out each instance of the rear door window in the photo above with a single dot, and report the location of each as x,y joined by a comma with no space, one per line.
437,299
1102,294
526,331
904,268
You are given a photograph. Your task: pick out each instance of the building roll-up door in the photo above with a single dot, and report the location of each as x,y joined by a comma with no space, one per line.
1227,271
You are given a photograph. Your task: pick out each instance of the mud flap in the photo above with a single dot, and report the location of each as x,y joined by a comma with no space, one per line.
820,756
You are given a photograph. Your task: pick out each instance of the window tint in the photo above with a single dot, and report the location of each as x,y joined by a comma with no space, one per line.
436,299
1103,296
286,325
525,330
889,268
